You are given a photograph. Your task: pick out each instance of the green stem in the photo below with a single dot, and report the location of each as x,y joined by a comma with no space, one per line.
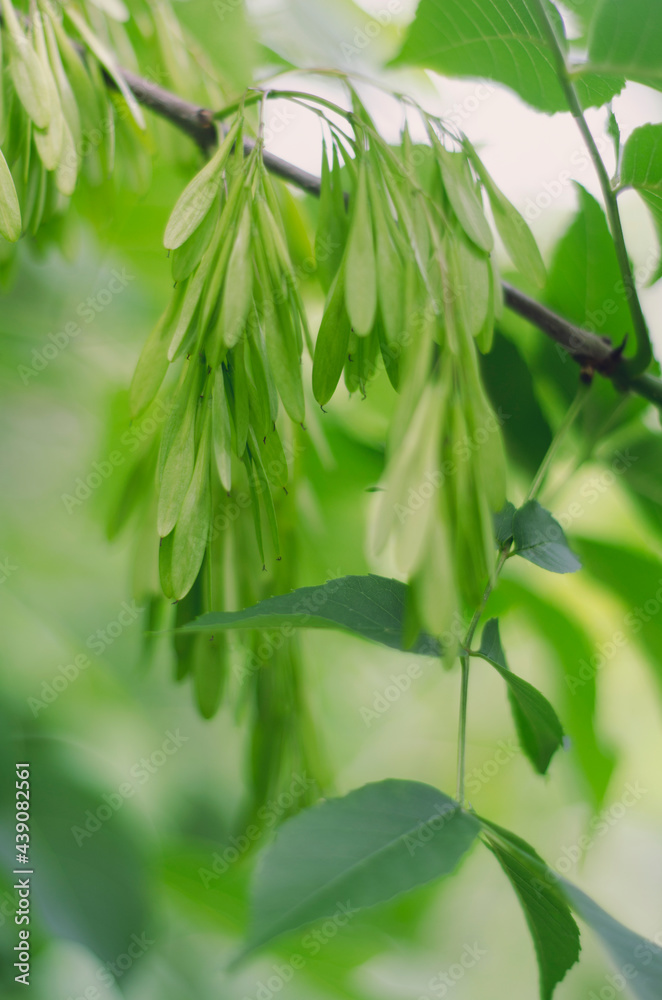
571,415
643,354
566,423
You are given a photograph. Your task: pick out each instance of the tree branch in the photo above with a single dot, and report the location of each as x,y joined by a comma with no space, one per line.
592,352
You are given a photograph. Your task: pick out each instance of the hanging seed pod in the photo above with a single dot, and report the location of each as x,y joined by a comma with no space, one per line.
178,466
188,255
107,60
10,212
462,196
191,532
434,586
261,486
470,282
153,361
273,459
238,288
239,398
413,465
199,195
511,226
361,267
222,433
209,669
49,141
331,232
332,343
26,70
389,266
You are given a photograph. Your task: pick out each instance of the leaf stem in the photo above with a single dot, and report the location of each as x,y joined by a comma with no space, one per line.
643,354
573,411
571,415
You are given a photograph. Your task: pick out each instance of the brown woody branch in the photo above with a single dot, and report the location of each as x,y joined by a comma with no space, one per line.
592,352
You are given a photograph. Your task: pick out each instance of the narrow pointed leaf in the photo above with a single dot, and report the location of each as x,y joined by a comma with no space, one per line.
372,607
538,726
553,929
540,539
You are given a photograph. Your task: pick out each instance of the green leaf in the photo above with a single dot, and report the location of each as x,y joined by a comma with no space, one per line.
553,929
198,196
635,579
627,39
345,854
360,265
511,386
538,726
332,342
638,960
584,282
503,524
10,212
540,539
574,652
641,169
369,606
499,40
